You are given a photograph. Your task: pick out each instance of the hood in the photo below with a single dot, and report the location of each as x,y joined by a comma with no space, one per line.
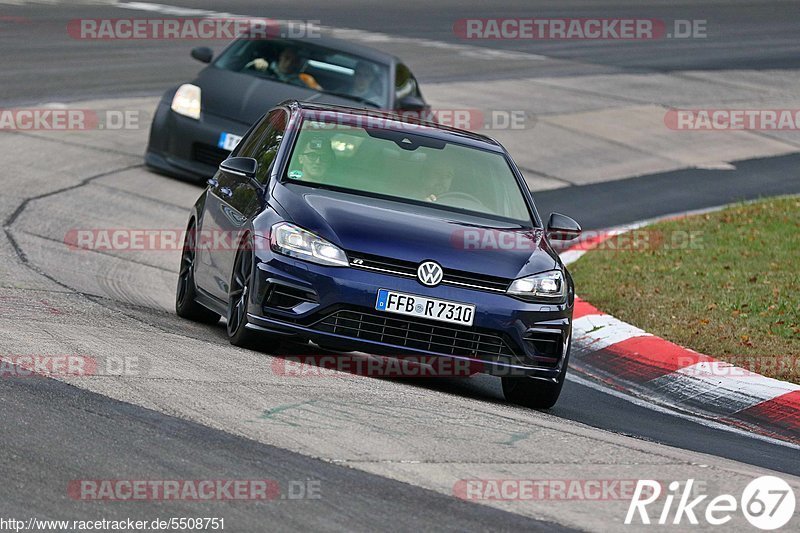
406,232
245,98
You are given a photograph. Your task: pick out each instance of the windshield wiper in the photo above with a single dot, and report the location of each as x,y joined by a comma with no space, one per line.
353,97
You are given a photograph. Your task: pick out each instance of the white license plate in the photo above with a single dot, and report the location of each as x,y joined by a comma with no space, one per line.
423,307
228,141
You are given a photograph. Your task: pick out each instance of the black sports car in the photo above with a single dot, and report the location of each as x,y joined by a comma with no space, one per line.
197,124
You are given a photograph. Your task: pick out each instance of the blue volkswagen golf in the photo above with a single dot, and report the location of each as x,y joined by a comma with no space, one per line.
361,230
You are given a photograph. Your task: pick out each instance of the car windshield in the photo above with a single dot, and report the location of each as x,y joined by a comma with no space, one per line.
312,67
407,167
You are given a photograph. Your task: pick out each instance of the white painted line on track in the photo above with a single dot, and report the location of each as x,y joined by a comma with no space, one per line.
570,256
364,36
672,412
601,331
721,387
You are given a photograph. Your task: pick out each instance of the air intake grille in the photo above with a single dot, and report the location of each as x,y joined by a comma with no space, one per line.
284,297
209,155
547,348
420,335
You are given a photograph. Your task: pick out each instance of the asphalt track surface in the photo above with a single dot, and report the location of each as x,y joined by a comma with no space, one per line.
54,432
91,431
740,35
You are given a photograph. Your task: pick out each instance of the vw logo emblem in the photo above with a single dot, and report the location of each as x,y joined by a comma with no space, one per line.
430,273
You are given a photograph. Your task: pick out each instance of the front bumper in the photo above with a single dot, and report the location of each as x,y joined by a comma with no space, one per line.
188,148
335,306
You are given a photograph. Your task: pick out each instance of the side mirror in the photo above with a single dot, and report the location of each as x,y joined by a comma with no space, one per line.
562,228
244,167
202,54
412,103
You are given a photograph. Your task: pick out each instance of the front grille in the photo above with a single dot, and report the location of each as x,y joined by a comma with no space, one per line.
420,335
409,269
209,155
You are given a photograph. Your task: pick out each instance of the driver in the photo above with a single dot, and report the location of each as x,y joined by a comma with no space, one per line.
286,69
315,160
438,178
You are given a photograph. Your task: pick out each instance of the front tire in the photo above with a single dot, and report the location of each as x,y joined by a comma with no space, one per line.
535,393
239,297
185,304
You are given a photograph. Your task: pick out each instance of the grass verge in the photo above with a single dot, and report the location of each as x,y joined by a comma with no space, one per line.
726,284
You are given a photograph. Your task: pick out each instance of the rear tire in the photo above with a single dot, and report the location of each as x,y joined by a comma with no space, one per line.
185,304
535,393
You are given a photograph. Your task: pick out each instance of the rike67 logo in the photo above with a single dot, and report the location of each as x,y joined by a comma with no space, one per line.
767,502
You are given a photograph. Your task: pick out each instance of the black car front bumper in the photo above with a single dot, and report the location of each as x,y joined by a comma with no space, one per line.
187,148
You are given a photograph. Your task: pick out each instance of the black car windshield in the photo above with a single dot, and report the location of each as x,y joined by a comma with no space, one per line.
310,66
407,167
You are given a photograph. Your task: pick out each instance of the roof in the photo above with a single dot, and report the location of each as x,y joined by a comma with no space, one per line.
422,127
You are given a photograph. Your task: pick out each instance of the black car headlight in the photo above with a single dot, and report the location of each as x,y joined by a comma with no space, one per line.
186,101
290,240
544,287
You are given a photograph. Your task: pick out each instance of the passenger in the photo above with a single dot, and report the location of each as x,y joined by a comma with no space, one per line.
366,83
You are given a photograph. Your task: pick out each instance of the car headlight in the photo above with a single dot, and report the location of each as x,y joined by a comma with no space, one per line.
186,101
545,287
290,240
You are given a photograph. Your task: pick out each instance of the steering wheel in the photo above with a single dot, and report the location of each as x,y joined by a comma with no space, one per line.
463,196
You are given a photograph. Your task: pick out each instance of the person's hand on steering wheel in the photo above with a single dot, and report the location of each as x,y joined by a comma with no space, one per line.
259,64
